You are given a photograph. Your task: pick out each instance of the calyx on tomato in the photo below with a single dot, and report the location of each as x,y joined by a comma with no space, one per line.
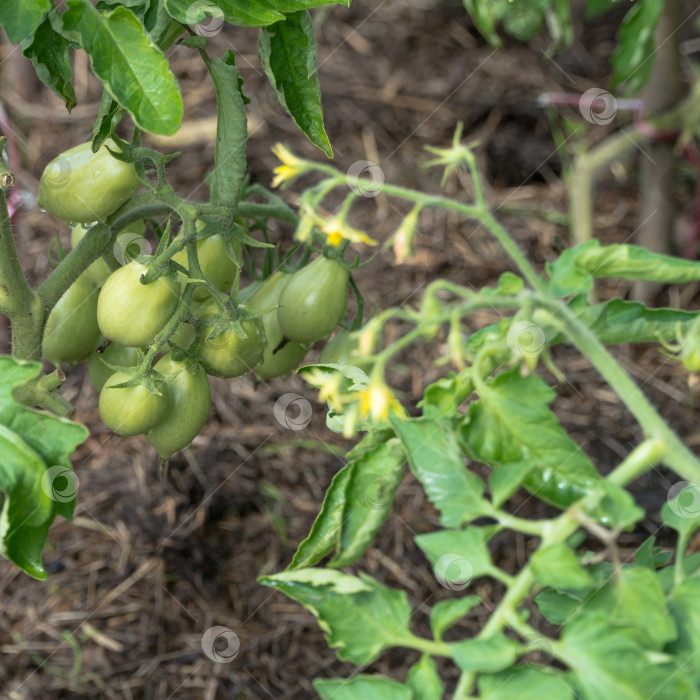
314,301
226,354
214,261
131,313
80,186
71,330
113,354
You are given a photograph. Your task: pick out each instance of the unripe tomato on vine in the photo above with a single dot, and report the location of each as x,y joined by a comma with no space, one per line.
314,301
81,186
71,330
190,400
131,313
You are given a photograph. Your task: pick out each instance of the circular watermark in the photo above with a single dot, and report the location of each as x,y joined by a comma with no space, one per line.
221,644
60,483
453,571
213,22
293,411
131,246
679,186
684,499
538,652
373,491
597,106
372,178
57,173
525,338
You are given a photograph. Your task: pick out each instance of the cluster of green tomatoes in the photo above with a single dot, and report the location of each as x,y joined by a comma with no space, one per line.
110,317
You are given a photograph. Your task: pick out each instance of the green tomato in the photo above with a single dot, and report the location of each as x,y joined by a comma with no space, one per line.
114,354
275,362
71,330
81,186
99,271
215,263
341,349
227,355
190,399
132,314
131,410
314,301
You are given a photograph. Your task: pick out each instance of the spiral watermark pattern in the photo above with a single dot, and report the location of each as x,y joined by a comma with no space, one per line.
453,572
373,491
366,187
539,652
60,483
293,411
597,106
208,27
525,338
221,644
679,186
131,246
684,499
57,173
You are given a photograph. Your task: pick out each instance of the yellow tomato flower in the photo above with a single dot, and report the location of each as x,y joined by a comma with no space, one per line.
337,229
290,168
377,400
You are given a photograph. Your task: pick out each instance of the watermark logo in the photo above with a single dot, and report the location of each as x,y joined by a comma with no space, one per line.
60,483
453,571
221,644
131,246
525,338
292,411
684,499
597,106
213,22
372,178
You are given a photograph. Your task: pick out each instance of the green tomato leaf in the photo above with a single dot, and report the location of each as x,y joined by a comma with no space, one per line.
556,606
437,462
424,680
511,423
324,532
108,117
682,509
131,67
362,687
231,132
484,14
635,599
523,683
457,556
575,269
359,616
620,321
445,613
369,495
36,475
491,654
443,397
49,53
288,55
634,54
246,13
608,661
20,18
558,567
684,605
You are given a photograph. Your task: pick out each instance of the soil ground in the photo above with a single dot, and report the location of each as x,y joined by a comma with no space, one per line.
148,564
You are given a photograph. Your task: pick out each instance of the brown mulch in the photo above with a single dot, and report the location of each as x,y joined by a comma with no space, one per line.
148,565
